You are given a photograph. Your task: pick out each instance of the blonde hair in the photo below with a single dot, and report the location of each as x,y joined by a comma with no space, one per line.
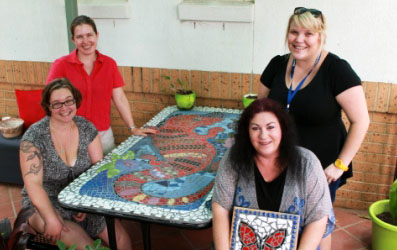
308,21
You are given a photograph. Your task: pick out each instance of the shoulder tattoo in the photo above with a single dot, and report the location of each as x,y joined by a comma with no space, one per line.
35,159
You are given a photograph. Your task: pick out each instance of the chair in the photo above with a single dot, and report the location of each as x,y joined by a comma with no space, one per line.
23,236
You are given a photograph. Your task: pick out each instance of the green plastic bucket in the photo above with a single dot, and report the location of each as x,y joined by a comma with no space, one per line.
384,235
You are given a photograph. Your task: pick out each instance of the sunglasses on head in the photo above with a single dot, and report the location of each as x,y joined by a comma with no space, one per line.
301,10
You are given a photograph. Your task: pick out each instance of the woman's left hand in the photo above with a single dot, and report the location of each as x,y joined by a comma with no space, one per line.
332,173
143,131
79,217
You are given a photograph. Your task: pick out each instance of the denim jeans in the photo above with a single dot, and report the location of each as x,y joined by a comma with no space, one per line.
333,186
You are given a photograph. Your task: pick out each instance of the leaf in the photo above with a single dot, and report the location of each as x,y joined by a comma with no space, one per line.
131,155
88,247
115,157
72,247
30,157
103,248
61,245
105,167
97,243
113,172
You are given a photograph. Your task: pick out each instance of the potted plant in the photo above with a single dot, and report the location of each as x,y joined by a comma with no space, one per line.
5,231
249,98
383,214
96,246
184,97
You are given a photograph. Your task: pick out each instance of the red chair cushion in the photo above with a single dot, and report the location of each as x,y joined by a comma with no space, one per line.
29,106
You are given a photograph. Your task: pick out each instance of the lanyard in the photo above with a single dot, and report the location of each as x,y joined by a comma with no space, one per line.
292,93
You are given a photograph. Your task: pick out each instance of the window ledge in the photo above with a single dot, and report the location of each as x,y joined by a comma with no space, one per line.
98,9
216,11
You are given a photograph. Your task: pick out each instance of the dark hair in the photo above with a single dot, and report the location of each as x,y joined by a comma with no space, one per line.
82,20
242,152
55,84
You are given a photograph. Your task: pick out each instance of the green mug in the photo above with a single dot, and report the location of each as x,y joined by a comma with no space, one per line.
249,98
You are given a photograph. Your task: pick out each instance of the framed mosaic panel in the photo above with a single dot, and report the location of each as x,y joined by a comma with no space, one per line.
254,229
166,177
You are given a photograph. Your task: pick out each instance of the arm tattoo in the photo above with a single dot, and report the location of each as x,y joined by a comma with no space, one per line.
28,148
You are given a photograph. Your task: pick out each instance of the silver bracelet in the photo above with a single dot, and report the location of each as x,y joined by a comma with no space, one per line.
130,128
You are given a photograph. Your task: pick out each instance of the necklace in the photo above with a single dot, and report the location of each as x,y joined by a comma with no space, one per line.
292,93
60,145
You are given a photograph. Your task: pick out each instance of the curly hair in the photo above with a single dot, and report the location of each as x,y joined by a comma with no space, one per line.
242,152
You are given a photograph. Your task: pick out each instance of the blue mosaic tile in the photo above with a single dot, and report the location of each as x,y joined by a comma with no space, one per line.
168,175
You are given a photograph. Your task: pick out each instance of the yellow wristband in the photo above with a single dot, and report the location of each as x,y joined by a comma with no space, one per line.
339,164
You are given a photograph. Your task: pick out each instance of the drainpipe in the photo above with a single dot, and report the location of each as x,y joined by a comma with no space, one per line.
71,13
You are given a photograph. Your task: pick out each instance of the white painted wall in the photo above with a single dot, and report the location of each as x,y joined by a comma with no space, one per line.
32,30
361,31
154,37
364,32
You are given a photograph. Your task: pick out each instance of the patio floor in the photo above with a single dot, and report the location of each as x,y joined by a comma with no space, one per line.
353,232
353,228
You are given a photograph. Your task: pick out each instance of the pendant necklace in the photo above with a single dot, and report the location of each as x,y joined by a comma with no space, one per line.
292,93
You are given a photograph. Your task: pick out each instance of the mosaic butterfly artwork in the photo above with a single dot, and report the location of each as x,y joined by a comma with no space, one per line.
254,229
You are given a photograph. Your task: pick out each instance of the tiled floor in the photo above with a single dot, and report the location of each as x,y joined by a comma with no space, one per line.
353,232
353,228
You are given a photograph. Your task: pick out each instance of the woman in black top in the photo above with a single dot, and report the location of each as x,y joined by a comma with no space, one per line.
315,85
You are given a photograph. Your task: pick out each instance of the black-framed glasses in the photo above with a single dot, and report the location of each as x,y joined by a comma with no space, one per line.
59,105
301,10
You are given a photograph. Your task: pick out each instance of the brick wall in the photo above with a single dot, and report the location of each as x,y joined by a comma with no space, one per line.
148,93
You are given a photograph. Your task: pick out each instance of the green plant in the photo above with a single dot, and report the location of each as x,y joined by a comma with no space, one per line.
393,201
95,246
179,86
62,246
111,166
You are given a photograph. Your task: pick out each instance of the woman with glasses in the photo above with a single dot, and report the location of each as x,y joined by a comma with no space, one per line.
53,152
98,79
314,85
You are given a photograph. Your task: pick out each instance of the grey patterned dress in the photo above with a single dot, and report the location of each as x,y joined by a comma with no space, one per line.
305,190
56,174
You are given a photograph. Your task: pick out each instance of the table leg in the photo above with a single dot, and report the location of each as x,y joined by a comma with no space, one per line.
145,228
111,232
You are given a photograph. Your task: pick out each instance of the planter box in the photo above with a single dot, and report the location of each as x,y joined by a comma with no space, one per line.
384,235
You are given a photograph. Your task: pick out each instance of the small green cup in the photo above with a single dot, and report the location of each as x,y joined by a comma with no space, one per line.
249,98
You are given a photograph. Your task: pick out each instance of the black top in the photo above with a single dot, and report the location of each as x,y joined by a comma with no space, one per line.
315,110
269,194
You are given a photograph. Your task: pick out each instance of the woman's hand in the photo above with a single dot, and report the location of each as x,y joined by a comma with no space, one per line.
53,229
333,173
143,131
79,217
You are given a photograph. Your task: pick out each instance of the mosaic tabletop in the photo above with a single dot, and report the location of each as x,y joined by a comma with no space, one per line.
166,177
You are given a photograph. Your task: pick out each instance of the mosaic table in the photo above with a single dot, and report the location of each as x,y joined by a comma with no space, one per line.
164,178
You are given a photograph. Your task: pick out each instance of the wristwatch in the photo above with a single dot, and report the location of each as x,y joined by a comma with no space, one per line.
339,164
